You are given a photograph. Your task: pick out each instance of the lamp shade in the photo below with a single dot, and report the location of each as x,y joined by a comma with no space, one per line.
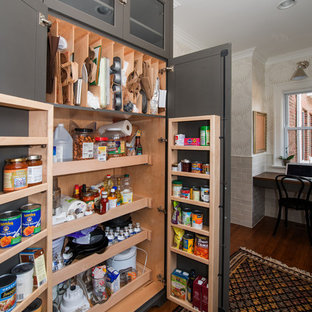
299,73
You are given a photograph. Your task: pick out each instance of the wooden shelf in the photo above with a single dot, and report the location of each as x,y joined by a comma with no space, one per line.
8,197
66,228
191,202
7,253
191,175
26,302
204,231
188,255
192,118
14,141
125,291
183,303
88,262
190,148
80,166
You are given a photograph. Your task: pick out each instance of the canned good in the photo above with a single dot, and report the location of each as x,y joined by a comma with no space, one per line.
195,193
188,243
185,193
24,280
206,168
205,135
204,193
187,216
176,188
196,166
201,247
31,219
10,228
35,306
197,219
7,292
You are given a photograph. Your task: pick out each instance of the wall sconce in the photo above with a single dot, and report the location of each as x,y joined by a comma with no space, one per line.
299,73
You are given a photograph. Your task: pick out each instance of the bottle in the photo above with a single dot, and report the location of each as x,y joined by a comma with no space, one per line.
112,200
76,192
110,184
190,282
119,197
83,190
126,192
131,232
126,234
63,143
56,197
138,146
111,238
104,203
137,228
120,237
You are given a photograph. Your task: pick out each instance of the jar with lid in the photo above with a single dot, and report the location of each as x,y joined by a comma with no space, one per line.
88,198
83,143
15,174
100,148
34,173
116,146
186,165
176,188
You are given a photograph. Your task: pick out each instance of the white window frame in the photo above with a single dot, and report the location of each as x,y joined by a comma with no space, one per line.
304,86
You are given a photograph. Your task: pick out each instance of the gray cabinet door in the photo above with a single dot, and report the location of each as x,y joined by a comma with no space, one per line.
201,85
105,15
147,24
23,49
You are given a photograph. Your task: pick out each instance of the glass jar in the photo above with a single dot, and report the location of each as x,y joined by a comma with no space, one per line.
186,165
116,146
83,143
195,193
100,148
88,198
15,174
34,172
176,188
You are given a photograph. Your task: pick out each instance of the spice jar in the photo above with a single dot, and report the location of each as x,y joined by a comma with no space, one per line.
176,188
100,148
186,165
83,143
34,172
88,198
116,146
15,174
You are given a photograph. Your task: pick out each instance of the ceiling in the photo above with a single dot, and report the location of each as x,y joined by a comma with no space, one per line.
245,23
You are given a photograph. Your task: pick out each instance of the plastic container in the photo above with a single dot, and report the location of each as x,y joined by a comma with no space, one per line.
7,292
100,148
74,300
63,143
57,246
116,146
83,143
124,260
205,135
35,306
176,188
24,280
15,174
126,190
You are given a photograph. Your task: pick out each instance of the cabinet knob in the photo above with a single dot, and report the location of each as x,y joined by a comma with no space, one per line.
123,2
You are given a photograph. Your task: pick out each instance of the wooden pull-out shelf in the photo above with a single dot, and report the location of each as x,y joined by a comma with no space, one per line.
80,166
142,278
66,228
188,255
190,148
191,202
204,231
88,262
191,175
183,303
17,141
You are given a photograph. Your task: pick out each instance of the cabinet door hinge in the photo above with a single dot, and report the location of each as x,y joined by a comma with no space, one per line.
161,278
162,140
43,21
169,69
161,209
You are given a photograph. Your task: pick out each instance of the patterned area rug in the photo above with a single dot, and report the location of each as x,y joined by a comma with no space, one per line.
265,284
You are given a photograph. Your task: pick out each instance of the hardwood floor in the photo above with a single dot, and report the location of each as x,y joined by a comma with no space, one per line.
290,246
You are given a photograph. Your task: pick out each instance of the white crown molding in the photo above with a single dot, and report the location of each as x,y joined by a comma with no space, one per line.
184,38
259,56
290,56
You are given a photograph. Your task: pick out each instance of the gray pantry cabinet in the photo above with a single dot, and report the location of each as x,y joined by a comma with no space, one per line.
200,83
145,23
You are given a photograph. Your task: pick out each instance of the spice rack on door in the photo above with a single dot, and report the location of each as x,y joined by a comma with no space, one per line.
211,230
39,141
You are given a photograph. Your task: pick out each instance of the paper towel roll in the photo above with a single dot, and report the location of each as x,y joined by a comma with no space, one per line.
124,127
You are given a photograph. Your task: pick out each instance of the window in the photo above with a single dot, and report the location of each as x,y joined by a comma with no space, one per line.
298,127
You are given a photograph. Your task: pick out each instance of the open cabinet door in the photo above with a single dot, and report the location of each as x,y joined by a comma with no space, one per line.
23,49
200,85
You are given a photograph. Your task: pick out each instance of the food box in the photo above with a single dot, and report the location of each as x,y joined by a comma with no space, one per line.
192,141
198,286
179,284
205,297
36,256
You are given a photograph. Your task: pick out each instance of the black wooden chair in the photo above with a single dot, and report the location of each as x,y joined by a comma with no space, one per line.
294,193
